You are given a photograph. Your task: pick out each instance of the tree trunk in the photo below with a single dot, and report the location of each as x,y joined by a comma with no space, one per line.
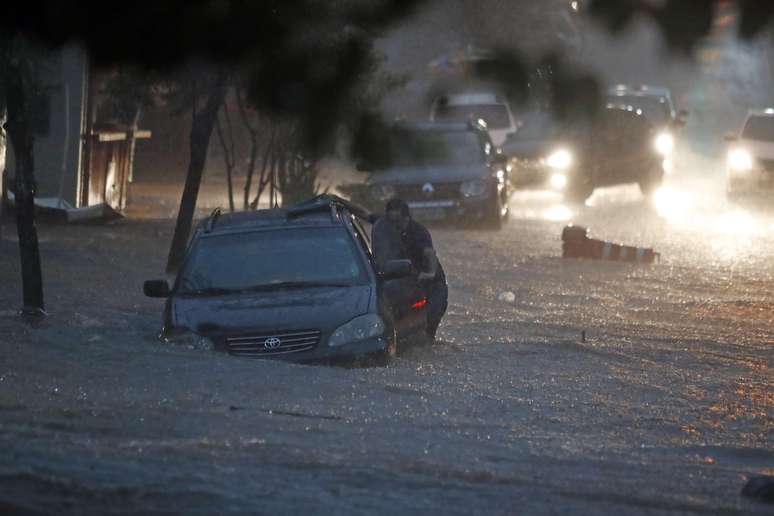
3,174
201,130
265,178
229,159
20,136
253,149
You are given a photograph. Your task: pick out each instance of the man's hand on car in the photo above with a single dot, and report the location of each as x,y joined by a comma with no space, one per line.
425,276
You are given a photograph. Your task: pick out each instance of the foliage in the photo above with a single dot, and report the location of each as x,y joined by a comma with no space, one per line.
289,41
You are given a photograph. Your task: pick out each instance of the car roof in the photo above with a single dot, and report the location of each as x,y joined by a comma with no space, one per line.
765,113
323,210
639,91
445,127
471,99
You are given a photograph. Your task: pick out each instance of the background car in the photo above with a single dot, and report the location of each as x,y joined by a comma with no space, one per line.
493,109
750,161
444,171
538,153
656,104
577,157
298,284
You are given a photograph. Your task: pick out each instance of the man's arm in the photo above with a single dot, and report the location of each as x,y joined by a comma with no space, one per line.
431,264
380,244
429,259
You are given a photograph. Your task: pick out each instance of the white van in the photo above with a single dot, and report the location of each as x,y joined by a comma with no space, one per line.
492,109
751,159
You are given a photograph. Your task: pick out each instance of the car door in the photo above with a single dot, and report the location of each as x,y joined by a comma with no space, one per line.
403,299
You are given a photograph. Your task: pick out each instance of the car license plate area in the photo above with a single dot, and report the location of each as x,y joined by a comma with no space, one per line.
429,213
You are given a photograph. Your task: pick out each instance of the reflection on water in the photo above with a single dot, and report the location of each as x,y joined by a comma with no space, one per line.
691,210
558,213
540,205
673,205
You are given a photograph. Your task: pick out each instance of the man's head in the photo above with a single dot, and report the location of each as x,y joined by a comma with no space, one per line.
398,214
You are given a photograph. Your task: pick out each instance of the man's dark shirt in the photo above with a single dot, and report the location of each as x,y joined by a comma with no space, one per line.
389,244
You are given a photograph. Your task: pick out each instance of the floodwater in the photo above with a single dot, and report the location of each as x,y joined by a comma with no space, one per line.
666,407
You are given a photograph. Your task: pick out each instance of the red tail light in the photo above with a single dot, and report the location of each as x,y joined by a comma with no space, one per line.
419,304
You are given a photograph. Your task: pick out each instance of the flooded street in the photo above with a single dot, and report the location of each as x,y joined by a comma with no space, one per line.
666,407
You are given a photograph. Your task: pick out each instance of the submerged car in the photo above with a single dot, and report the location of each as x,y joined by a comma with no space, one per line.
750,160
298,284
576,158
444,171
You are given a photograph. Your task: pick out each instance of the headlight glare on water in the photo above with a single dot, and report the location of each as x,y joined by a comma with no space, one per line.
558,181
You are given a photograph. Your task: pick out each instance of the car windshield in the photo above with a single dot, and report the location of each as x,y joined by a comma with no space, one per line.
283,258
435,148
495,115
535,126
759,128
655,109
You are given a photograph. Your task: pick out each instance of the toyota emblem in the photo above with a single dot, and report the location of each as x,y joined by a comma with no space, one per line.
272,343
428,189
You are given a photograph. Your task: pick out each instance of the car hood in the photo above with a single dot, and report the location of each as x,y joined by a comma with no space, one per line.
322,308
759,149
419,175
530,149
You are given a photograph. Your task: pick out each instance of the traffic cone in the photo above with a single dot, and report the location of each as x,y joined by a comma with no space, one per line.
577,244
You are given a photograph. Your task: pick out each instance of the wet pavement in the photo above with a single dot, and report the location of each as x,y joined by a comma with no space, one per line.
666,407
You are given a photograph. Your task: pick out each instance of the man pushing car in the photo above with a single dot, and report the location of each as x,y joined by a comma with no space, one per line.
397,236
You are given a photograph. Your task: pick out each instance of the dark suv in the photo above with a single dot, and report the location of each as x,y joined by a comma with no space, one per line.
297,283
575,158
444,171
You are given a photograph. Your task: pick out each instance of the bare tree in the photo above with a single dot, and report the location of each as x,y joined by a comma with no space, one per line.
22,86
207,99
228,148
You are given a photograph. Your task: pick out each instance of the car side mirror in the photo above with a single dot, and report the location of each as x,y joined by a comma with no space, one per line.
730,137
397,269
363,167
156,288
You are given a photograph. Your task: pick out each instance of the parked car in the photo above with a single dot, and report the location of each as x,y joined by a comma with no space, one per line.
750,160
576,158
492,109
444,171
298,284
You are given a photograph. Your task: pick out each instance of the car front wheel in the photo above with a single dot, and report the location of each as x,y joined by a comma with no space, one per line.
384,357
579,190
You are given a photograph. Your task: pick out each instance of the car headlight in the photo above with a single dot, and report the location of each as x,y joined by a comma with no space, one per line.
560,159
189,340
474,188
359,328
739,160
382,192
665,144
558,181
